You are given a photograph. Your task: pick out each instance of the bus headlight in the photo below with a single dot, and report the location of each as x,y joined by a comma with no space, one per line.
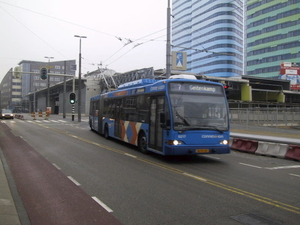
224,142
174,142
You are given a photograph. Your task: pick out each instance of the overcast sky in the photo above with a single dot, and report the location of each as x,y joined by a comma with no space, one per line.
33,29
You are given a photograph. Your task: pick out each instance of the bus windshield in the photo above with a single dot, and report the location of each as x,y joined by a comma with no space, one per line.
198,107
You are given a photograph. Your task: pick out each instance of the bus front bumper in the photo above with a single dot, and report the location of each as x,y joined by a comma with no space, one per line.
196,150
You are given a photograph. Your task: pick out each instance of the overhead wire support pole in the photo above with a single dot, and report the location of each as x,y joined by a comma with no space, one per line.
168,51
48,78
79,79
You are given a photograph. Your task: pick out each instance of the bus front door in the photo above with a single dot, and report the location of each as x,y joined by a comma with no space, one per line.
156,132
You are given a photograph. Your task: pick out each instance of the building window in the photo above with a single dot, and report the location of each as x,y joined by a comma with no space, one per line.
57,67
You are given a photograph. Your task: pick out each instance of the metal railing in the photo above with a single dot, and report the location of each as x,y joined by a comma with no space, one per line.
273,117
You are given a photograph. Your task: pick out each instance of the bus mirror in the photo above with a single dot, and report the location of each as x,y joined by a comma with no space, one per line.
162,117
164,122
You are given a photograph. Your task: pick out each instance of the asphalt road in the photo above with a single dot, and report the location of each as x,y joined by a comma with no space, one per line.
237,188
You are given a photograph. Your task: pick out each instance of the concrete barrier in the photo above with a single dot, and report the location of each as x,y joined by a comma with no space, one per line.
236,143
272,149
21,117
244,145
293,152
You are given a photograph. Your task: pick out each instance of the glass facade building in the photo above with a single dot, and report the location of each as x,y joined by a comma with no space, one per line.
211,32
273,36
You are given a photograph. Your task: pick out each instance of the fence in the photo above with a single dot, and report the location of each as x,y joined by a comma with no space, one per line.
273,117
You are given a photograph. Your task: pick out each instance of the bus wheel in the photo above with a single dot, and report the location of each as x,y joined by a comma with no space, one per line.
91,125
106,134
142,143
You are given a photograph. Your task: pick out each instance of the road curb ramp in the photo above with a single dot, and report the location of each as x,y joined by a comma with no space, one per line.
293,152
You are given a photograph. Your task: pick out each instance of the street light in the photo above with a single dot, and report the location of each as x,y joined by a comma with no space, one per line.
48,90
168,51
79,80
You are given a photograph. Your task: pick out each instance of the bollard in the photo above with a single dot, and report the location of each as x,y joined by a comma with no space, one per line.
33,115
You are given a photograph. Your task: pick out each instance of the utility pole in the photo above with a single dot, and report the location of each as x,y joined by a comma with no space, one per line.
168,59
65,90
48,77
79,79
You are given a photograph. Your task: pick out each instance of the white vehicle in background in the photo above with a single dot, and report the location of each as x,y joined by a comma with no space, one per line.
6,114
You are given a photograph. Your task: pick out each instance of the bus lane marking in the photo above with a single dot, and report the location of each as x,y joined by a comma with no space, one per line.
256,197
295,175
244,164
102,204
74,181
56,166
283,167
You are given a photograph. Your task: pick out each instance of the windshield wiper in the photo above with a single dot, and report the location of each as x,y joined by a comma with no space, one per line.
182,118
213,128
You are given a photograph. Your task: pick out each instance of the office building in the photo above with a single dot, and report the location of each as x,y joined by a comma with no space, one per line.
273,36
211,33
15,86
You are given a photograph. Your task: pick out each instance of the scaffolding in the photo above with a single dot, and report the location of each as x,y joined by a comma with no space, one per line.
109,82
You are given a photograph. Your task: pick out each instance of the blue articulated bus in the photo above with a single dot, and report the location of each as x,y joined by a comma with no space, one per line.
169,117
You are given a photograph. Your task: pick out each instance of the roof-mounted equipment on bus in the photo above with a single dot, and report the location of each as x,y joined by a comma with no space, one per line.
183,76
137,83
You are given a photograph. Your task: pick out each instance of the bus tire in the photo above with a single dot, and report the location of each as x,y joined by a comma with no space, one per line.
106,132
142,143
91,125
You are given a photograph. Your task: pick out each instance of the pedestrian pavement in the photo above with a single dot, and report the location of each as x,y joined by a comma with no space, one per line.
8,211
9,214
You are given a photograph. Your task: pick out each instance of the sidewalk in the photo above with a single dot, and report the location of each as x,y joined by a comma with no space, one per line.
8,211
282,132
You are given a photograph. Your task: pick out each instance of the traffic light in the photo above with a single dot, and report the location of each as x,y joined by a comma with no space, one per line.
72,98
44,73
227,88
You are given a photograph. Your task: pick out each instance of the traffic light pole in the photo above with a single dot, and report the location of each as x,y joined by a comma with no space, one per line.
73,107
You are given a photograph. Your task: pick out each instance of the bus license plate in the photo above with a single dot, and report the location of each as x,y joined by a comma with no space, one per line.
202,150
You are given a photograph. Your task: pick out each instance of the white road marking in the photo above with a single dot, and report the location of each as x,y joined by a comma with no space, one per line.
193,176
133,156
283,167
102,204
212,157
56,166
296,175
74,181
244,164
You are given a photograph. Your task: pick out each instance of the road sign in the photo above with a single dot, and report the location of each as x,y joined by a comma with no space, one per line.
179,60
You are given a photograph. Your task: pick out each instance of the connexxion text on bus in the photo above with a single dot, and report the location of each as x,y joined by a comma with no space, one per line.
169,117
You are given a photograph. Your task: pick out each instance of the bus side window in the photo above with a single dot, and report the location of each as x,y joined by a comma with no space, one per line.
143,105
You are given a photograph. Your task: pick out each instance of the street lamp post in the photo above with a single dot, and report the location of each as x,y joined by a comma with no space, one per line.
168,58
79,80
48,77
